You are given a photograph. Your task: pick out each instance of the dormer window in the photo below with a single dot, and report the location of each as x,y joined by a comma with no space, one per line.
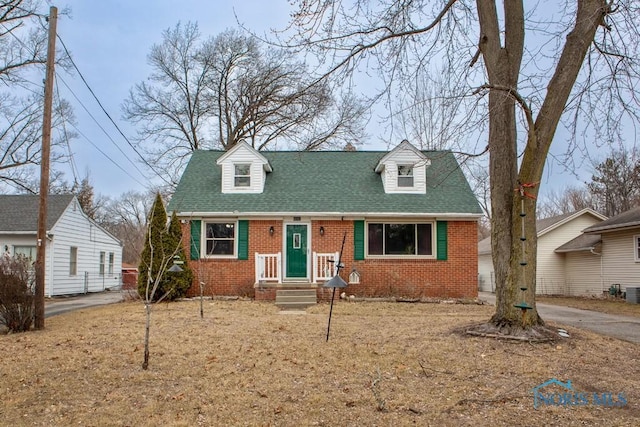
405,176
242,175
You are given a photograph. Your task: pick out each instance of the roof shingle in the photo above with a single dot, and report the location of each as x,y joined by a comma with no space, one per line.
19,213
323,182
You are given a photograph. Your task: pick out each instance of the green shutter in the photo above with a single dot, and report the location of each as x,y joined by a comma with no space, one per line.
243,239
358,240
195,239
441,240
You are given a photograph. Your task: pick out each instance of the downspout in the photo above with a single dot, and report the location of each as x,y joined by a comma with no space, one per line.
592,250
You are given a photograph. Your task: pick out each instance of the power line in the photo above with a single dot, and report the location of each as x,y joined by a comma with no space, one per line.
100,126
108,157
108,115
74,168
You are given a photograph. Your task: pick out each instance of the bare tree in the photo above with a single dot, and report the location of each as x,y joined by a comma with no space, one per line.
23,48
125,217
162,246
573,56
615,184
23,40
570,199
211,94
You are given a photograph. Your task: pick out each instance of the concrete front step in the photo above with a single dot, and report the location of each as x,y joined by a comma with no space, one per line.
296,299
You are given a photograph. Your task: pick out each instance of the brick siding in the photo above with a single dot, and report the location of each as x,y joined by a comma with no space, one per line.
455,277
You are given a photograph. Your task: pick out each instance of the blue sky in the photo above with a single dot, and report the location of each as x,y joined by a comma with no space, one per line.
109,41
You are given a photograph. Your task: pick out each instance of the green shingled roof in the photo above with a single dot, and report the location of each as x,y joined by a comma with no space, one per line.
332,182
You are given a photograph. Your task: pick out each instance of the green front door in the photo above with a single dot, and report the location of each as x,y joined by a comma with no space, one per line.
296,251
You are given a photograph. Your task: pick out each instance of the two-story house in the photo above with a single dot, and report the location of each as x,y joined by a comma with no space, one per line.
255,222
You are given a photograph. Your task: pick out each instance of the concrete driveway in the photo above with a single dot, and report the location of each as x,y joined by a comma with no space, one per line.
621,327
61,305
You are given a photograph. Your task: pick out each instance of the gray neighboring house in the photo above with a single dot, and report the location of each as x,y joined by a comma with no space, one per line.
568,262
81,256
618,249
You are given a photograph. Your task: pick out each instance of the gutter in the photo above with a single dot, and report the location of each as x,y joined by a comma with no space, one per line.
325,215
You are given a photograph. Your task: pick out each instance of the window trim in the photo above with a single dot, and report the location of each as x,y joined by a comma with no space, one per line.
204,239
111,262
411,175
101,268
20,250
434,247
73,260
636,248
236,176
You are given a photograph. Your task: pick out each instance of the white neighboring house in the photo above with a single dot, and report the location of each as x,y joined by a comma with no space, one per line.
619,247
81,256
553,277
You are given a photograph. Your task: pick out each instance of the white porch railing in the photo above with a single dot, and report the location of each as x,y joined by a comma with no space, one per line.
324,266
269,268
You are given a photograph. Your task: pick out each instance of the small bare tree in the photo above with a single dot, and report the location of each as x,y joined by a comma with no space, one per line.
162,248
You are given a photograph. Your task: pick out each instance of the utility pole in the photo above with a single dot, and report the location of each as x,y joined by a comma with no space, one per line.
38,321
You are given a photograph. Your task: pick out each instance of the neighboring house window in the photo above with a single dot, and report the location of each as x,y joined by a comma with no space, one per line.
636,241
242,175
110,262
73,261
400,239
405,176
29,252
102,263
220,238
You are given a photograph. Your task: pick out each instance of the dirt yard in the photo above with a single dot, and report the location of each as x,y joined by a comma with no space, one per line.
386,364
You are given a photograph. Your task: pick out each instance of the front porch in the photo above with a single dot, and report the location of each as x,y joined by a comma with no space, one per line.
269,271
293,293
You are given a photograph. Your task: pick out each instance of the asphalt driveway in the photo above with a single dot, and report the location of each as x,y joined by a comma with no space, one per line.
61,305
621,327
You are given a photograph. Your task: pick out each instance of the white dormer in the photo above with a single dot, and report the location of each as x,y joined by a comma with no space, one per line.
404,170
244,169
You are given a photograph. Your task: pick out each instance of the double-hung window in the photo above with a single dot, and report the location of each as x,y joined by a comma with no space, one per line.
636,243
73,261
400,239
405,176
102,259
242,175
110,263
220,238
29,252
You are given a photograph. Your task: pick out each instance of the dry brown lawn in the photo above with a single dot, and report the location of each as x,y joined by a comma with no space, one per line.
603,305
385,364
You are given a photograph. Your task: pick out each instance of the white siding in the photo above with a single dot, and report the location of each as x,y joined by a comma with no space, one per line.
583,273
75,229
243,155
390,174
619,265
29,240
485,273
550,277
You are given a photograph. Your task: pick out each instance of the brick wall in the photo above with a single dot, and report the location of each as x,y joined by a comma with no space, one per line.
456,277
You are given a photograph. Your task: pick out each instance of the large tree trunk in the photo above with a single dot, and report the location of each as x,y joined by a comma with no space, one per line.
513,194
